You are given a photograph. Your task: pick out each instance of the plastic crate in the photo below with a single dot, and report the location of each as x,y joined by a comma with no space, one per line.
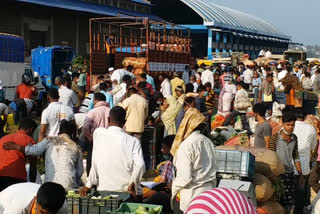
246,188
240,163
74,204
132,207
280,97
88,205
100,206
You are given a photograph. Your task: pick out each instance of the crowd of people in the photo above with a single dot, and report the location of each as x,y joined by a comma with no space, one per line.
103,124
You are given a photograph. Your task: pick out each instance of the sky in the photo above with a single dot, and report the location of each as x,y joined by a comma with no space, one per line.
299,19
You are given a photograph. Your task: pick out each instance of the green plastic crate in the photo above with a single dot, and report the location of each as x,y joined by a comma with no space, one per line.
74,204
132,207
100,206
96,206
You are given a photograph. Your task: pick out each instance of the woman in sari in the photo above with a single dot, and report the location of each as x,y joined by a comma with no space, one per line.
170,107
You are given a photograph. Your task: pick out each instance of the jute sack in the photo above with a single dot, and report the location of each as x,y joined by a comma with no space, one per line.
264,188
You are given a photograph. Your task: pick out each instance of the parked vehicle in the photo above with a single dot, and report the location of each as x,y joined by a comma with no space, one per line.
50,62
154,46
295,56
11,63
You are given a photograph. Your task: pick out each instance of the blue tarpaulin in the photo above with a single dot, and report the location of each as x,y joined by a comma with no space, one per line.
82,6
11,48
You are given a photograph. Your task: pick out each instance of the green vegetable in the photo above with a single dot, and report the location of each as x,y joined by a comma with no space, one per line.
141,212
107,197
157,209
142,208
152,211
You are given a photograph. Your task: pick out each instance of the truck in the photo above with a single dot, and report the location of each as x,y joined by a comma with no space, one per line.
294,56
148,45
11,63
50,62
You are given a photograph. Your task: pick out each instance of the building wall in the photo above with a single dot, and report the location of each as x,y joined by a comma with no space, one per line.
10,19
46,26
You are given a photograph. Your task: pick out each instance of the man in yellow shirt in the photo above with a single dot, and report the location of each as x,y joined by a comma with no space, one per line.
175,82
136,108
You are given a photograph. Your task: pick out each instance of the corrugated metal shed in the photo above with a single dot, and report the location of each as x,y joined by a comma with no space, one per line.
227,18
82,6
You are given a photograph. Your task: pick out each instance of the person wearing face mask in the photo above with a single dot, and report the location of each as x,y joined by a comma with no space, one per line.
285,144
201,99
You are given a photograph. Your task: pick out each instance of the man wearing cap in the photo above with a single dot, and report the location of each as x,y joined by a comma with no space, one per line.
175,82
207,76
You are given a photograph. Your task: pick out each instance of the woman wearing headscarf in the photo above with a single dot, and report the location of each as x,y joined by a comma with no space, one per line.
221,200
194,159
170,107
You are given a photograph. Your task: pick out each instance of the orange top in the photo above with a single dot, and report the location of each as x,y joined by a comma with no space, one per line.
34,207
24,91
290,98
12,163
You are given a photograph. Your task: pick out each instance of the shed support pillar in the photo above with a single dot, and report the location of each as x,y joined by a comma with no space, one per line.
210,44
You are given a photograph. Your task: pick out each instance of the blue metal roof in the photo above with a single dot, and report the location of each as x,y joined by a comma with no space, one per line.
82,6
141,2
224,17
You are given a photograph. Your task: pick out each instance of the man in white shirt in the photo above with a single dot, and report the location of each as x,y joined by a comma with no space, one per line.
193,80
120,73
307,143
53,115
66,95
268,54
25,198
207,76
247,75
165,85
186,74
119,91
117,159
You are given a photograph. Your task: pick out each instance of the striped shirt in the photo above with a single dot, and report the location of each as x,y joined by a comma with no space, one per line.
221,201
287,152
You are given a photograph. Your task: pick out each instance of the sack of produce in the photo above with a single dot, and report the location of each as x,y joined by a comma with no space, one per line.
272,207
267,161
264,188
137,63
238,140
